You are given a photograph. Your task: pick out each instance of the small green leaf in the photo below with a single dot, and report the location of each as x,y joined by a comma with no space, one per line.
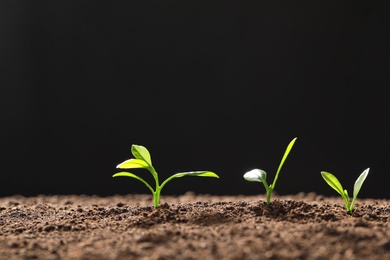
132,163
346,194
195,173
126,174
140,152
131,175
333,182
359,182
192,173
288,149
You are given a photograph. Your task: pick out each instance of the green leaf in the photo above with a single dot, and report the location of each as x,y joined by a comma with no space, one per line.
131,175
196,173
288,149
125,174
359,182
132,163
333,182
193,173
346,194
140,152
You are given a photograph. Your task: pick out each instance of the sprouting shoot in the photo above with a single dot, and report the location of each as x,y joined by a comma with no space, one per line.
258,175
336,185
143,160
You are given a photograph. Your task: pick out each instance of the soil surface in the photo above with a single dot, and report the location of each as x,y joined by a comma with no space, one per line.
303,226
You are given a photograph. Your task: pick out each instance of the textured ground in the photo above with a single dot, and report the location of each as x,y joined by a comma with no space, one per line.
303,226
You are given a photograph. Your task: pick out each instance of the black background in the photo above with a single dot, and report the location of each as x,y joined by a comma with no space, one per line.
204,85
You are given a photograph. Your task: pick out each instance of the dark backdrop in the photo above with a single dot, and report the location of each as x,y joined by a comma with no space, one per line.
204,85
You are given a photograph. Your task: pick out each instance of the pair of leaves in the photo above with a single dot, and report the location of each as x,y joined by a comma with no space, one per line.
143,160
261,176
336,185
177,175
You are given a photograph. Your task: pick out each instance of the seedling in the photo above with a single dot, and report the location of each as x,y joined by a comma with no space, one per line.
336,185
261,176
143,160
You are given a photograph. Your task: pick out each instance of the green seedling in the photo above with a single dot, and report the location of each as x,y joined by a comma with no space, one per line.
258,175
336,185
143,160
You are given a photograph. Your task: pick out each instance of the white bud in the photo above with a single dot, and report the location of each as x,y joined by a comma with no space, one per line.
255,175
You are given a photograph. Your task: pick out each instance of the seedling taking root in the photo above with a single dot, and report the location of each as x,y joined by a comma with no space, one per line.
258,175
143,160
336,185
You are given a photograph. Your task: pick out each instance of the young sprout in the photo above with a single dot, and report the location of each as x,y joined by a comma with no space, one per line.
261,176
336,185
143,160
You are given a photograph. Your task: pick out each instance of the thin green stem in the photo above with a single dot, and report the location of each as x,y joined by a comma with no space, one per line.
156,193
268,190
268,197
155,175
156,198
347,203
353,204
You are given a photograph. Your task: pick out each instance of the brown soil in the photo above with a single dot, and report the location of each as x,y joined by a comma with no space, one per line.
303,226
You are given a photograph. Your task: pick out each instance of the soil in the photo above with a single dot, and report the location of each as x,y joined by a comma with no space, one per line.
191,226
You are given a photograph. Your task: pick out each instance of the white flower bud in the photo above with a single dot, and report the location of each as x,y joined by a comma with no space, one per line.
255,175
